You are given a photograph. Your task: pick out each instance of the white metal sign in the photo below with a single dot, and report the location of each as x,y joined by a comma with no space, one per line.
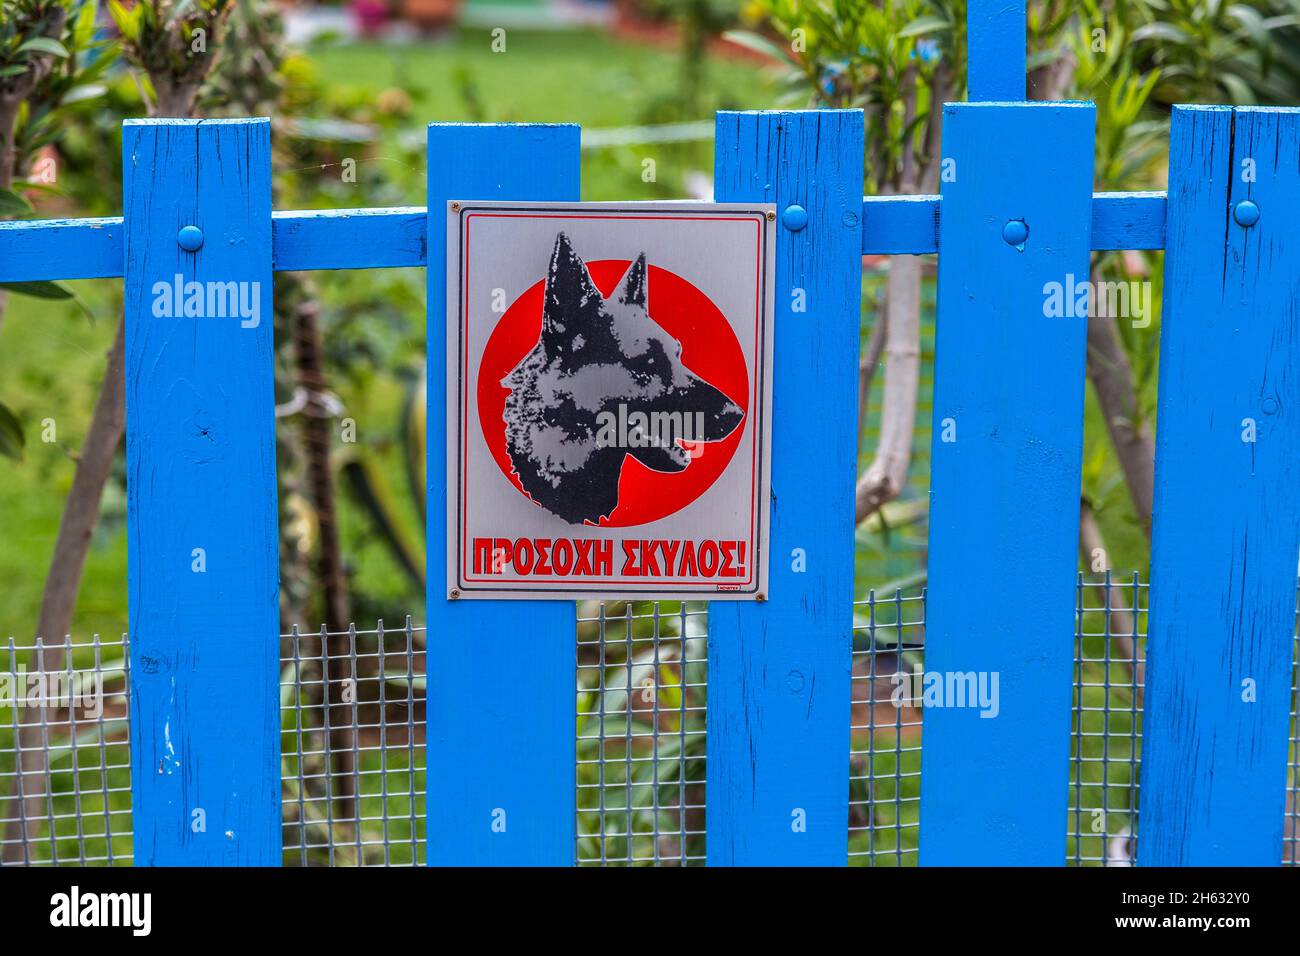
609,399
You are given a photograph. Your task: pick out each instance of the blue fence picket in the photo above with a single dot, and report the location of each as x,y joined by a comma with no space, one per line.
202,531
997,49
779,670
1226,534
502,680
1005,481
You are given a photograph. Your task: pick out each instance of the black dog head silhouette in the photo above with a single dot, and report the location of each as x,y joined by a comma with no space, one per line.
604,381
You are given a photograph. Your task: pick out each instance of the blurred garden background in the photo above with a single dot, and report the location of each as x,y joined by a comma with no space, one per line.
350,88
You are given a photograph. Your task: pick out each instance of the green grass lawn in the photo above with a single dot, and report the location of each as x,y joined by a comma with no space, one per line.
51,362
583,77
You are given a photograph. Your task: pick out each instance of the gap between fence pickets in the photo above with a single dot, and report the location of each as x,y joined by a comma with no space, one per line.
383,238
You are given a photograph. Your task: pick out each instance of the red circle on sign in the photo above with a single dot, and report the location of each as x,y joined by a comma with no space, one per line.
709,349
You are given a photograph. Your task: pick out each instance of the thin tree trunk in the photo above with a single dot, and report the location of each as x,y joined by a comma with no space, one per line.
1109,369
8,163
59,599
1123,624
316,439
20,88
867,373
886,476
1111,375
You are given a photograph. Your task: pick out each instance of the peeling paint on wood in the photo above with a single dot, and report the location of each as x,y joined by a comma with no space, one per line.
1226,532
200,458
779,671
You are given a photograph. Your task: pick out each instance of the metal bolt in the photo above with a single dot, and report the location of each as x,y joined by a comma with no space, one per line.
761,596
190,238
771,216
1015,232
1246,213
453,594
795,218
455,207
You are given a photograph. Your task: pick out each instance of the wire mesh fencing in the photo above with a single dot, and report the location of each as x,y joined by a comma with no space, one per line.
352,707
642,680
65,754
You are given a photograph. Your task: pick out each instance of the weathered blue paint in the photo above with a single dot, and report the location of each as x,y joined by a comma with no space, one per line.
909,225
996,45
900,225
350,238
1005,482
779,670
1226,533
202,531
1128,221
501,757
41,250
305,240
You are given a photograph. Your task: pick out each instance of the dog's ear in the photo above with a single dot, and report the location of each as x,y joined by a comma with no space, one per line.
632,290
572,299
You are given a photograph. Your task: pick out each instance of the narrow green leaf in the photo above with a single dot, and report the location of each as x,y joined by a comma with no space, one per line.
44,45
924,25
11,434
12,204
38,290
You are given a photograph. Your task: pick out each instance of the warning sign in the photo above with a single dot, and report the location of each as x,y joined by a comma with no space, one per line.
609,399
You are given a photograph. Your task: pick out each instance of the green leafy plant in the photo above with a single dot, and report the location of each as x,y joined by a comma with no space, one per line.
173,43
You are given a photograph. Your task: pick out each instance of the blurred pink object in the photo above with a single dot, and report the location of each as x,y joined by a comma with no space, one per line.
370,15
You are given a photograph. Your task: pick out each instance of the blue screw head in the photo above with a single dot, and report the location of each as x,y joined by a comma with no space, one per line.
795,218
1015,232
190,238
1246,213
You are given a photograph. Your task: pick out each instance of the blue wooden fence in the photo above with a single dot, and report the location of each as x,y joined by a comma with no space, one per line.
1008,410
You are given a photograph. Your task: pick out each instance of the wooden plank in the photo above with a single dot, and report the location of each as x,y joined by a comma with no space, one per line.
1227,496
1128,221
779,671
306,240
1004,487
996,49
349,238
893,225
202,528
900,225
502,674
38,250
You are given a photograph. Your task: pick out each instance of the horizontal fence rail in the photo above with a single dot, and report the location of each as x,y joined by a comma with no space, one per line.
304,240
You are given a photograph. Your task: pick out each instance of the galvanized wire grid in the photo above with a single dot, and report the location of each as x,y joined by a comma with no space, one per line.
1105,743
83,817
885,729
353,772
642,677
354,778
